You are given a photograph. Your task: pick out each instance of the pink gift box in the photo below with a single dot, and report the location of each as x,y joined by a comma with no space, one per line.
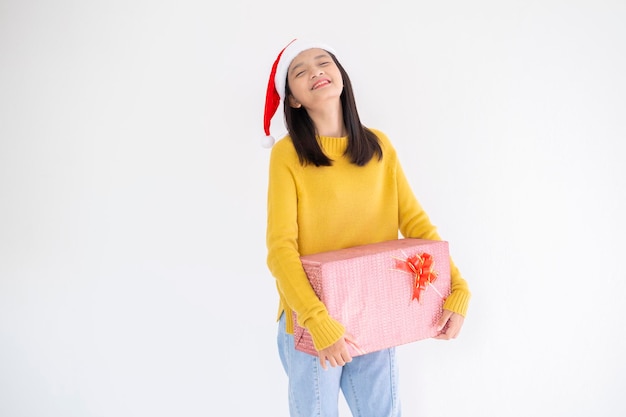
370,290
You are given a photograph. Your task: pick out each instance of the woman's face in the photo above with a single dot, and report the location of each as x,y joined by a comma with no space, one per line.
313,79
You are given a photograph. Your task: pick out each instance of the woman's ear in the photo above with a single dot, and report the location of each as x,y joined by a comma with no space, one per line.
293,102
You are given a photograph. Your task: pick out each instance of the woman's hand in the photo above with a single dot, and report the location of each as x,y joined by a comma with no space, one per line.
453,321
336,354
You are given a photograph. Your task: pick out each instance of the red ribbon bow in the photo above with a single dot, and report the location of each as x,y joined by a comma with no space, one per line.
421,266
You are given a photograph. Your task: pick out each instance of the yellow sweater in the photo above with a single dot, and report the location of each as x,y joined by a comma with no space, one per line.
315,209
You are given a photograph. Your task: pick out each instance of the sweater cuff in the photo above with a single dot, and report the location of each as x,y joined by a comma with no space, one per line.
326,333
458,302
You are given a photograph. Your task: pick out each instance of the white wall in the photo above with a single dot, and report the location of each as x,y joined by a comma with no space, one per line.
132,185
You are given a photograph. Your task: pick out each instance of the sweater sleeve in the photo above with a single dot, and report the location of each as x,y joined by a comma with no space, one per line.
415,223
283,257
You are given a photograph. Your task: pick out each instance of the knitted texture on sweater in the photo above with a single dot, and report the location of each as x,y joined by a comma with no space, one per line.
316,209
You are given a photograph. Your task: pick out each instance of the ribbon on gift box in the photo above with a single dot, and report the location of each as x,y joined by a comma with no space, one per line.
422,267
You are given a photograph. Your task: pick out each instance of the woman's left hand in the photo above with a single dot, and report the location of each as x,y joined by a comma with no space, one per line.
454,322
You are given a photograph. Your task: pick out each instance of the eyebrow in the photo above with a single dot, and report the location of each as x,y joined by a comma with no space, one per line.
324,55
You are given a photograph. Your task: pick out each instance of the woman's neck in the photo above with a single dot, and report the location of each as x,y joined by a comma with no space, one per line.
329,121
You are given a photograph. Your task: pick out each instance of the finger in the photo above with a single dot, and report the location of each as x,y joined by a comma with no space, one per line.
455,326
332,361
322,361
447,335
352,342
451,332
454,330
444,319
443,334
344,357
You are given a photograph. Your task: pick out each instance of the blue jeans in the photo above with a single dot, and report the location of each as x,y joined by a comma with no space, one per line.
369,383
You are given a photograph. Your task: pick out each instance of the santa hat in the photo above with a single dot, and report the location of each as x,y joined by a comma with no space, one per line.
278,80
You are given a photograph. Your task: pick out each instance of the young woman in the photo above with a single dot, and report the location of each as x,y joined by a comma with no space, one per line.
333,184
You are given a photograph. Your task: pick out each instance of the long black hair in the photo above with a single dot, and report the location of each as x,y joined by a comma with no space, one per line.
363,144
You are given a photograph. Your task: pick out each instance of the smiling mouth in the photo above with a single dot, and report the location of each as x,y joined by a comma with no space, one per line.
320,83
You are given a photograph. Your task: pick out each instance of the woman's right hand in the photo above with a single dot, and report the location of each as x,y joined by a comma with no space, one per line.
336,354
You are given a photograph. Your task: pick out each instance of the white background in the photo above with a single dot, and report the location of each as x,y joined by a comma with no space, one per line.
132,199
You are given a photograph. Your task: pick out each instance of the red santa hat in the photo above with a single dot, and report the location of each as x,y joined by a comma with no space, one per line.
278,81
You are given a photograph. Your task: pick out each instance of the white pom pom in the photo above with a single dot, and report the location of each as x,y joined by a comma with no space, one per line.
268,141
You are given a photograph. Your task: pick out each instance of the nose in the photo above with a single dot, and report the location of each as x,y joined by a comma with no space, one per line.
318,71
